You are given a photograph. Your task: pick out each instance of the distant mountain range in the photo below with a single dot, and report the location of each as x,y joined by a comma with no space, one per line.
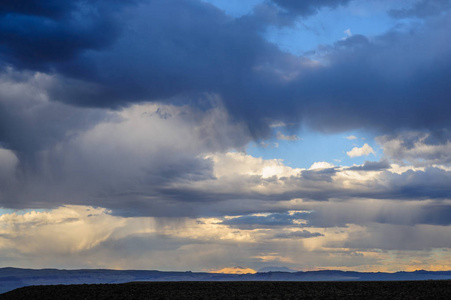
276,269
12,278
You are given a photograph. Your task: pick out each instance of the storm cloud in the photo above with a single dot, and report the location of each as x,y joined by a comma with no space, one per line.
200,49
305,8
138,118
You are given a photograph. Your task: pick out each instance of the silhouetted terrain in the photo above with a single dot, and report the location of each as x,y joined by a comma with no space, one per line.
12,278
240,290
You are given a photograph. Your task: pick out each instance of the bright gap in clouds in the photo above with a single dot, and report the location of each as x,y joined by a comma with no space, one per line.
311,147
368,18
323,28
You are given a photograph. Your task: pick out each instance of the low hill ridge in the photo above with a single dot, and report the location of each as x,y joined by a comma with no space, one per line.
12,278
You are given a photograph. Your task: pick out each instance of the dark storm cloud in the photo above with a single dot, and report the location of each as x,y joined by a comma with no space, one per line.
204,50
51,8
164,50
178,52
438,214
308,7
438,137
422,9
386,237
371,166
178,47
36,34
342,214
29,123
360,212
430,183
384,84
319,174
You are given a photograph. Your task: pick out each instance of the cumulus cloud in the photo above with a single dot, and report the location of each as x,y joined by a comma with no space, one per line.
235,164
92,238
94,154
83,236
418,148
321,165
38,233
365,150
281,136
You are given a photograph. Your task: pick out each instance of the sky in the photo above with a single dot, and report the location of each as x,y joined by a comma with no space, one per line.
206,135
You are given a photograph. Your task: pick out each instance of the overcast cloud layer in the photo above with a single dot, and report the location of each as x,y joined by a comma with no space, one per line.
142,111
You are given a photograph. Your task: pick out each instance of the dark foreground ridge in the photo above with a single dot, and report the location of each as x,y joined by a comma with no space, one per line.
431,289
13,278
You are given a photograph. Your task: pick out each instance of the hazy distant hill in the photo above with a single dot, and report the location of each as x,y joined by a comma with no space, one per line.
11,278
276,269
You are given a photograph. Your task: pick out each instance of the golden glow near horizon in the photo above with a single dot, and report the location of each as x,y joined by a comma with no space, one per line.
234,270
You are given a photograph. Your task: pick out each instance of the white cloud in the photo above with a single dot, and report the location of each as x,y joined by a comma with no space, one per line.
281,136
138,148
365,150
414,148
63,230
351,137
348,32
234,164
321,165
83,236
